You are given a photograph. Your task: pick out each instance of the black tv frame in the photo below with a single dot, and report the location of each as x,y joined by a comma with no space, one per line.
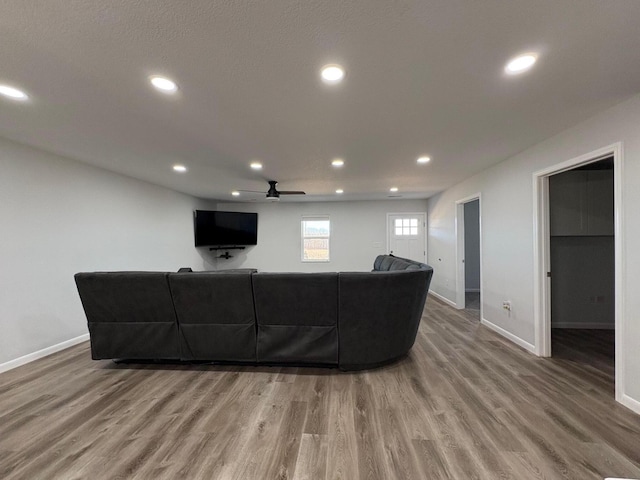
208,240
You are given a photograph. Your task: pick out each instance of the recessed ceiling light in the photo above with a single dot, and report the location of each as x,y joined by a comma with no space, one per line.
339,191
13,93
424,159
337,162
520,64
393,189
332,74
180,168
256,165
163,84
235,193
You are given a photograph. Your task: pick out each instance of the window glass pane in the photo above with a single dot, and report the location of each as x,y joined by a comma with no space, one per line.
315,239
414,222
405,222
398,231
316,249
414,230
316,228
398,222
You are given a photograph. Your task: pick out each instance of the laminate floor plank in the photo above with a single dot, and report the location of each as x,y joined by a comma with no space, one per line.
312,457
465,404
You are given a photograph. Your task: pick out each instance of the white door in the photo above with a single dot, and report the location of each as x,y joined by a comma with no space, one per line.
406,235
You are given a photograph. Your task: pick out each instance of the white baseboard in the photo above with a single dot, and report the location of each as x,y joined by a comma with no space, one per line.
472,290
18,362
630,403
514,338
584,325
443,299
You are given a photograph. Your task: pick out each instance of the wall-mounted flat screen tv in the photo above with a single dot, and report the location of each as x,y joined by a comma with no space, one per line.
213,228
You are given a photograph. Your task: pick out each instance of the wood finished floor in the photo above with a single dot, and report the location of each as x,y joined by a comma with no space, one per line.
465,404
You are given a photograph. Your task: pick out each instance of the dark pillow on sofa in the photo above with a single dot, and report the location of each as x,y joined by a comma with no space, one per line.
386,263
378,262
399,264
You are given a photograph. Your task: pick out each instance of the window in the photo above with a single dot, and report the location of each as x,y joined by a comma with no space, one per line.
315,239
406,226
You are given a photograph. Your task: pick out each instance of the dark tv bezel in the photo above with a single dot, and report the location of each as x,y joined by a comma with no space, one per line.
195,229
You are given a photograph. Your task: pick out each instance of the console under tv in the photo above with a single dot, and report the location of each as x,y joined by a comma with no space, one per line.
226,255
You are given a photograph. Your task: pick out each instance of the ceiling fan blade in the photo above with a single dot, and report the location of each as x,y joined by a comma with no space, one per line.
249,191
291,192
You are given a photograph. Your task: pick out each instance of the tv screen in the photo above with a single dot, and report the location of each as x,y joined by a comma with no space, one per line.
225,228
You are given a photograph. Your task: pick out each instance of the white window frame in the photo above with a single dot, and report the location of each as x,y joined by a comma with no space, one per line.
307,218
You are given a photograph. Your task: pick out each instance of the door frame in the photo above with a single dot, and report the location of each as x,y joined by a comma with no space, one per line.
542,256
459,233
424,227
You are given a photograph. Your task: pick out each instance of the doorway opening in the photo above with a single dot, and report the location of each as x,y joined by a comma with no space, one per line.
469,251
582,265
578,262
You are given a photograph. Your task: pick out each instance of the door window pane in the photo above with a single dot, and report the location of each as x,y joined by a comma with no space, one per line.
406,227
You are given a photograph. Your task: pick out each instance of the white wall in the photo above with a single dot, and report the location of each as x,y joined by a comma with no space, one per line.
59,217
507,228
358,234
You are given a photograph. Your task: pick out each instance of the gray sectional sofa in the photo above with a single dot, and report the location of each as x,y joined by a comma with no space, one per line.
353,320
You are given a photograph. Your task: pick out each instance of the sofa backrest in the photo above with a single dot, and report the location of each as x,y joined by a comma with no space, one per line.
126,297
212,297
129,314
379,314
216,315
297,316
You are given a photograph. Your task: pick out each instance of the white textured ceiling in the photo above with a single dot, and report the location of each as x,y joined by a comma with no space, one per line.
423,77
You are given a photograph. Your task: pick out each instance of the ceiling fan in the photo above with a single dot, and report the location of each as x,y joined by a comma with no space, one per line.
273,193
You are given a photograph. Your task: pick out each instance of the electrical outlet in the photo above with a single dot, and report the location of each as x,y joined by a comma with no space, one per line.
506,305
